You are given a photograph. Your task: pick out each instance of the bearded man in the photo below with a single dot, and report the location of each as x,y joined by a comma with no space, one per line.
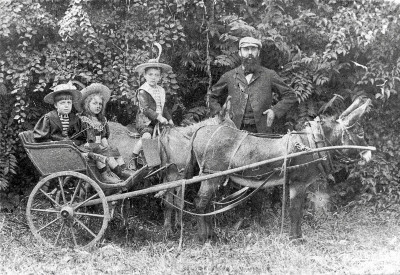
250,85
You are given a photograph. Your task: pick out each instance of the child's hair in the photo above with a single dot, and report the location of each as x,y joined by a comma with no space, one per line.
156,68
100,116
63,96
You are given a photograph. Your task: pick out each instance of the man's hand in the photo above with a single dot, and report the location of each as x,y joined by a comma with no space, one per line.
170,122
162,119
270,117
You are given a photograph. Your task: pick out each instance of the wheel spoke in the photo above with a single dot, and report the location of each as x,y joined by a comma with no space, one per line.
85,201
50,198
45,210
66,179
73,235
90,215
69,191
61,183
85,227
50,223
59,234
78,187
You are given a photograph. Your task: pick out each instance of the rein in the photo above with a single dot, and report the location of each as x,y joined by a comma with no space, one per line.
226,208
344,130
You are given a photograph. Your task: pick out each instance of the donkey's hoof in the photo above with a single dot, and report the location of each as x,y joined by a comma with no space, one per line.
201,239
298,240
168,232
212,237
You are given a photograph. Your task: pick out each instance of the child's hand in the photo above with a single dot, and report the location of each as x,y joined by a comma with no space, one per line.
103,147
170,122
162,119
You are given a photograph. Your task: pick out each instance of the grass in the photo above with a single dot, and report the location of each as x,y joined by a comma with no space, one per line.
345,242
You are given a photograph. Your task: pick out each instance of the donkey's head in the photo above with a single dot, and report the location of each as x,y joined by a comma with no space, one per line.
223,116
348,131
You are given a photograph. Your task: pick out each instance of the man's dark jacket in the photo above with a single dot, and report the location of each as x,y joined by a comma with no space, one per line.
49,128
258,92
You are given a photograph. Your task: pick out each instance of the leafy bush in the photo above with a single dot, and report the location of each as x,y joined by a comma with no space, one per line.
328,51
380,178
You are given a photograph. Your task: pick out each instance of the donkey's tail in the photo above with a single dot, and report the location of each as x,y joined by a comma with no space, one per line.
191,160
190,163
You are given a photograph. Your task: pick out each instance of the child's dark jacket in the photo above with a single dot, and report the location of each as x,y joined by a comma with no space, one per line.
147,107
49,128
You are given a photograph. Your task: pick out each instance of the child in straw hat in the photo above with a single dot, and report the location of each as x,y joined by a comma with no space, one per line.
151,98
97,132
60,124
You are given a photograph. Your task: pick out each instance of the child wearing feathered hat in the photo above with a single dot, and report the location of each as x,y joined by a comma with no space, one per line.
151,98
60,124
96,132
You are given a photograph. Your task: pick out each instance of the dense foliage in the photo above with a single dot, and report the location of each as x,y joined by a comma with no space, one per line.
329,51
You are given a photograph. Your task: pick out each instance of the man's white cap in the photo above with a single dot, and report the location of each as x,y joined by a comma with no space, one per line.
249,42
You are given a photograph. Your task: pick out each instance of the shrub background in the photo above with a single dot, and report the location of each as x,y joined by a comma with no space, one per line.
329,51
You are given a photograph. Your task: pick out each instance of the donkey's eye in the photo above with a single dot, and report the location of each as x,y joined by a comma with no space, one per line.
359,131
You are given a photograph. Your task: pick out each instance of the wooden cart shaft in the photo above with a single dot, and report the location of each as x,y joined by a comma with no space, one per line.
177,183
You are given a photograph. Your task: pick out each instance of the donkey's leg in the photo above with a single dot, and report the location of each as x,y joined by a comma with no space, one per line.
179,203
168,209
206,192
297,195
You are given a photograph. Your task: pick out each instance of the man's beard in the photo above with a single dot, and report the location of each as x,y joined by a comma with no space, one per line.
250,63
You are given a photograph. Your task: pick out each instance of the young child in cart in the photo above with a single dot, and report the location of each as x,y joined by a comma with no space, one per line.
60,124
151,98
96,133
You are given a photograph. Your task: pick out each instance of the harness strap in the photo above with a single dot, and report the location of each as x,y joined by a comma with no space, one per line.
284,168
233,197
316,139
256,177
233,155
206,148
229,199
226,208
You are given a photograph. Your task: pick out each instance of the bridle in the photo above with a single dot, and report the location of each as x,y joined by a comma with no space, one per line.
345,133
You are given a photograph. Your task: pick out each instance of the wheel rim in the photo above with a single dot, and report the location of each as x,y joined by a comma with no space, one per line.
56,213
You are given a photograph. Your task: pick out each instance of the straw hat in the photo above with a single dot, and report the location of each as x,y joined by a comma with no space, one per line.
63,88
153,63
93,88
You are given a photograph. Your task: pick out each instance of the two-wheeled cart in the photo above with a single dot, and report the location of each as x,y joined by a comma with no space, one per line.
69,206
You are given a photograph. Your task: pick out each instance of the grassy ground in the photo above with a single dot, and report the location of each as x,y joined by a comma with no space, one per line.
345,242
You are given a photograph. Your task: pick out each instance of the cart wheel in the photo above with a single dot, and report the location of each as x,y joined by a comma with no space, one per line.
56,214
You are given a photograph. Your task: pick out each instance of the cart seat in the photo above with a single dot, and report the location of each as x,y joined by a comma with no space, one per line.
53,156
27,137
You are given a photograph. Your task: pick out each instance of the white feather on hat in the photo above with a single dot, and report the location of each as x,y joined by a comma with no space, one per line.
153,63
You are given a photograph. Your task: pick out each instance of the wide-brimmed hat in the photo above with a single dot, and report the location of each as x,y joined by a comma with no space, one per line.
249,42
63,88
154,63
93,88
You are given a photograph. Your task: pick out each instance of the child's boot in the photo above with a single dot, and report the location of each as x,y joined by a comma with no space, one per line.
133,163
108,176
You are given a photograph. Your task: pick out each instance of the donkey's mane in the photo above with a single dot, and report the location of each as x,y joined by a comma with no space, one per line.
190,129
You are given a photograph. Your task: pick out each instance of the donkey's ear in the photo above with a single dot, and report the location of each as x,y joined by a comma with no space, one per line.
226,108
356,114
356,103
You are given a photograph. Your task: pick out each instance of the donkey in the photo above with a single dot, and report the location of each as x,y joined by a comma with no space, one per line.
217,148
174,152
